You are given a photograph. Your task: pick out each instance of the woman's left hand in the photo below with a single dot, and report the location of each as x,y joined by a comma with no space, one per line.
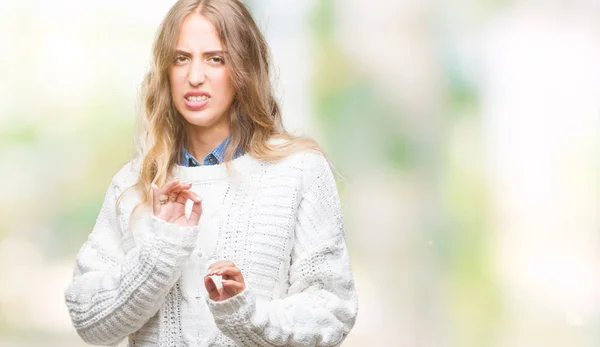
232,279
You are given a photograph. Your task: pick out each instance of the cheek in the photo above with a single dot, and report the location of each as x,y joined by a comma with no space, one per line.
176,78
223,79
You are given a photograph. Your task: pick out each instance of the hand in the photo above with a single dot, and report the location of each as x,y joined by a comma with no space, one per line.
168,203
233,280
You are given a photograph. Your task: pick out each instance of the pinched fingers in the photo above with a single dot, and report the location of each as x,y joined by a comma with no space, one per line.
230,273
173,197
179,206
232,280
174,189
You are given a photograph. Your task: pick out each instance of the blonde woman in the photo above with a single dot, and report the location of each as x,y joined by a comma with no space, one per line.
225,230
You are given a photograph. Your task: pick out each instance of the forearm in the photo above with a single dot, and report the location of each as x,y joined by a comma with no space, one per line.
105,306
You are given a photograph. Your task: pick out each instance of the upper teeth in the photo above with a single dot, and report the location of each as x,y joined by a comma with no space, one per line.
197,98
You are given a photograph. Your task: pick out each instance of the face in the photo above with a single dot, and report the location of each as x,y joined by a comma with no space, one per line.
201,85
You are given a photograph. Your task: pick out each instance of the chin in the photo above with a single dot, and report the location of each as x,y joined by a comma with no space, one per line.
200,120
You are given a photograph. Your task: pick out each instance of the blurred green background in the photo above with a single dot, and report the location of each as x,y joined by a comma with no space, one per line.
467,132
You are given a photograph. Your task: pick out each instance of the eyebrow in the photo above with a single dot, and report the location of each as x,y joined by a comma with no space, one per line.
216,52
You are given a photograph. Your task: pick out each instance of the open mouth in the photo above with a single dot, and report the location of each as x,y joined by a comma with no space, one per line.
196,98
196,102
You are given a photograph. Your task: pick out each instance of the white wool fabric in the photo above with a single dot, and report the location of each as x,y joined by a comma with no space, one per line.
280,222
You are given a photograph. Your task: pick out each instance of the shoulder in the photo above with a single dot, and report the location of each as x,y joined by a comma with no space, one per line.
317,170
314,169
311,162
306,159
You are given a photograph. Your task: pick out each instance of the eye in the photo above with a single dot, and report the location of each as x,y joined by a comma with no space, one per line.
180,59
217,60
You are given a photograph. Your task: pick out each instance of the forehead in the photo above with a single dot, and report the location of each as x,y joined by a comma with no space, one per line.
197,33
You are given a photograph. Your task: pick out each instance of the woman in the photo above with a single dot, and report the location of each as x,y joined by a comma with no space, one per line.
247,247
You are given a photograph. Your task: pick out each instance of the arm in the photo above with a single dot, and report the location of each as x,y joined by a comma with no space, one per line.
113,294
321,306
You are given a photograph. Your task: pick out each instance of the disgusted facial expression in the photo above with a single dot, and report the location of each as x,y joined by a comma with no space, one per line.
201,85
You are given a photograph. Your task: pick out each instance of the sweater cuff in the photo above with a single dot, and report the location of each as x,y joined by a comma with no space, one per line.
241,305
173,233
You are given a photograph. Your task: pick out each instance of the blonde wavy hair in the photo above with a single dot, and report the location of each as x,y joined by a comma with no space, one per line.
254,114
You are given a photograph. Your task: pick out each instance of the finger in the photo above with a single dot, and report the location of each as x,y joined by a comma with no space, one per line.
168,186
196,207
184,195
231,273
217,265
211,288
232,287
196,213
177,204
178,188
181,200
176,197
155,201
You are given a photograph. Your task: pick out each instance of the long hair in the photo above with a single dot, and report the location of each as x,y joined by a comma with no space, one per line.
254,114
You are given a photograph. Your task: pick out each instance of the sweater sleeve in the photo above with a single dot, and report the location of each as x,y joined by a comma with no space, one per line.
321,305
113,293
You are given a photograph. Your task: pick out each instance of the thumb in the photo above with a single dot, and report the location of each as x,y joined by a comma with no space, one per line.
196,212
211,288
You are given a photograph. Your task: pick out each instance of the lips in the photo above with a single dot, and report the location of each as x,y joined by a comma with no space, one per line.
196,100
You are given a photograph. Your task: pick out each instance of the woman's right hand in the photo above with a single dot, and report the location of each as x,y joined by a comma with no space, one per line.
168,203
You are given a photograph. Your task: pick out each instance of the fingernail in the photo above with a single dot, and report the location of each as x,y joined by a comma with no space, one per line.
188,182
154,185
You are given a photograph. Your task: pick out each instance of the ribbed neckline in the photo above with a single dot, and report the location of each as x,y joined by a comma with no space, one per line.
214,172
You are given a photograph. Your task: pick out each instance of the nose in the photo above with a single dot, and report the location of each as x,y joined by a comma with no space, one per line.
196,74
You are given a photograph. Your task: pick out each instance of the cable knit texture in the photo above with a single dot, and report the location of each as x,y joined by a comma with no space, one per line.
279,222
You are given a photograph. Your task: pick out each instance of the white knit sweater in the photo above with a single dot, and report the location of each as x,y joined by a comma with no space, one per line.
279,222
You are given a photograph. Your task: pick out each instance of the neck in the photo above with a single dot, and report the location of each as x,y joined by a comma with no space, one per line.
202,141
